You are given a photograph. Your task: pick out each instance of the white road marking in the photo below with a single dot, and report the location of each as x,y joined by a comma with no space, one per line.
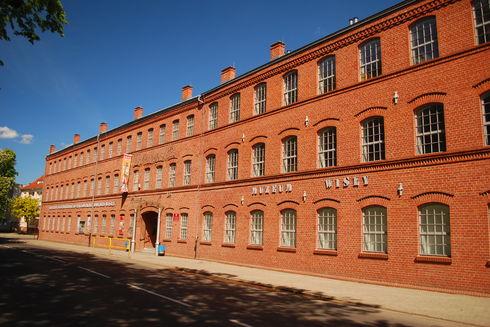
240,323
159,295
94,272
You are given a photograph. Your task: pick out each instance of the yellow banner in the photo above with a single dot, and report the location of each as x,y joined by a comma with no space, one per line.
126,166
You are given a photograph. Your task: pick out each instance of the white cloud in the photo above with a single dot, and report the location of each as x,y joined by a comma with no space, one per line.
26,138
7,133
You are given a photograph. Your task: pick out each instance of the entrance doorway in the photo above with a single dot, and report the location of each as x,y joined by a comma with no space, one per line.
150,220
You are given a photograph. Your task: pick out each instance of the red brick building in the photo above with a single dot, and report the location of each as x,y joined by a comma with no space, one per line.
364,156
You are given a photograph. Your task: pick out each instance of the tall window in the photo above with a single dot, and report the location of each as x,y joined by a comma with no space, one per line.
235,108
171,175
374,229
485,103
175,130
257,227
213,116
482,20
190,126
424,45
95,155
260,96
210,165
430,129
373,139
233,164
95,224
161,134
116,183
85,188
113,224
149,141
434,229
139,140
326,75
103,225
78,190
288,228
230,223
207,227
107,184
87,158
99,186
111,144
290,88
102,152
370,59
75,160
81,159
136,181
146,179
158,179
129,142
184,219
327,229
92,186
119,147
168,226
187,172
258,159
327,147
290,154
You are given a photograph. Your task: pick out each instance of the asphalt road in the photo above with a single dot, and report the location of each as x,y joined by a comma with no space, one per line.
45,287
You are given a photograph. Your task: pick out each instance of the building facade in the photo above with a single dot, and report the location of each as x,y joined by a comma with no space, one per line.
363,156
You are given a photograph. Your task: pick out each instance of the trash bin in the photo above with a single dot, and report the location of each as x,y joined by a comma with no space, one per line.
161,249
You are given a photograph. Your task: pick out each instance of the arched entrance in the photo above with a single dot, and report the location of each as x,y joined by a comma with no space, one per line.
149,230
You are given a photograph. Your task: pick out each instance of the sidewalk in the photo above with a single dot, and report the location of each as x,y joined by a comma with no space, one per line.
464,309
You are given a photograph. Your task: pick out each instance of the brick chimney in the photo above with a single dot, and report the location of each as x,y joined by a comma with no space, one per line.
277,50
76,138
52,148
186,92
103,128
138,113
228,74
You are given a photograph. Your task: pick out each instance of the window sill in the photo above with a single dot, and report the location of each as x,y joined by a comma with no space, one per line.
326,252
284,249
373,255
255,247
205,243
433,259
227,245
166,240
182,241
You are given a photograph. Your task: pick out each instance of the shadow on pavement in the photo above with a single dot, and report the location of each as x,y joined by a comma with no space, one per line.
47,287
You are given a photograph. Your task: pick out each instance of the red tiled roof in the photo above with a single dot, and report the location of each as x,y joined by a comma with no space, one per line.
37,184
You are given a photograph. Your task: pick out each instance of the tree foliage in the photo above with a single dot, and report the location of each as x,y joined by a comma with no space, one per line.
26,207
25,17
7,179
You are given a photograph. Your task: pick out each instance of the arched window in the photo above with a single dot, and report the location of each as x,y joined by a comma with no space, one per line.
370,59
260,97
290,87
184,220
159,177
327,147
327,229
485,103
288,228
210,166
235,108
373,139
290,154
171,174
149,140
190,125
482,20
213,116
326,75
207,227
431,136
230,227
423,36
168,226
146,179
434,229
175,130
161,134
136,181
374,229
258,159
187,172
256,227
232,164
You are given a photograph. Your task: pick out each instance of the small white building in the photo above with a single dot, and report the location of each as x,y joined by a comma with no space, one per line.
33,190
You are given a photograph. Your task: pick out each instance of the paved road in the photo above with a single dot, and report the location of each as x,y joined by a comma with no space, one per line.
46,287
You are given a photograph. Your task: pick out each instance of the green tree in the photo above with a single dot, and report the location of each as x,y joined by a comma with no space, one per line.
25,17
7,180
25,207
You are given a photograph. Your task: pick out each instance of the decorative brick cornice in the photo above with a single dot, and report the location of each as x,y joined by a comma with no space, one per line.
477,85
376,109
432,194
363,34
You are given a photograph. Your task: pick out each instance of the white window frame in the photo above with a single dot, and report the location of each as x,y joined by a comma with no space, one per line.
168,226
290,154
107,185
184,221
260,98
370,59
430,140
485,104
213,116
146,179
187,172
129,143
210,168
172,174
161,133
374,226
175,130
482,25
373,140
258,159
257,228
207,227
327,147
119,147
230,227
327,229
423,40
136,181
232,165
102,153
159,177
116,183
110,153
434,229
288,228
290,81
149,141
326,75
190,125
235,108
139,141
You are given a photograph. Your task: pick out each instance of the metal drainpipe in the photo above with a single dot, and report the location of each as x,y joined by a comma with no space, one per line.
93,193
133,237
200,102
157,243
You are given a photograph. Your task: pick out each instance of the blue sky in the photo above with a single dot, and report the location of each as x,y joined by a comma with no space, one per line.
116,55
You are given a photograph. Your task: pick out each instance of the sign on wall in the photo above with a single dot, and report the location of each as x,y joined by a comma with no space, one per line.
126,166
272,189
83,205
346,182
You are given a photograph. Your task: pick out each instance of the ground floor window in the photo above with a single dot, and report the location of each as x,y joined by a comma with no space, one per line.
327,229
257,227
168,226
288,228
374,229
230,223
184,219
207,227
434,229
